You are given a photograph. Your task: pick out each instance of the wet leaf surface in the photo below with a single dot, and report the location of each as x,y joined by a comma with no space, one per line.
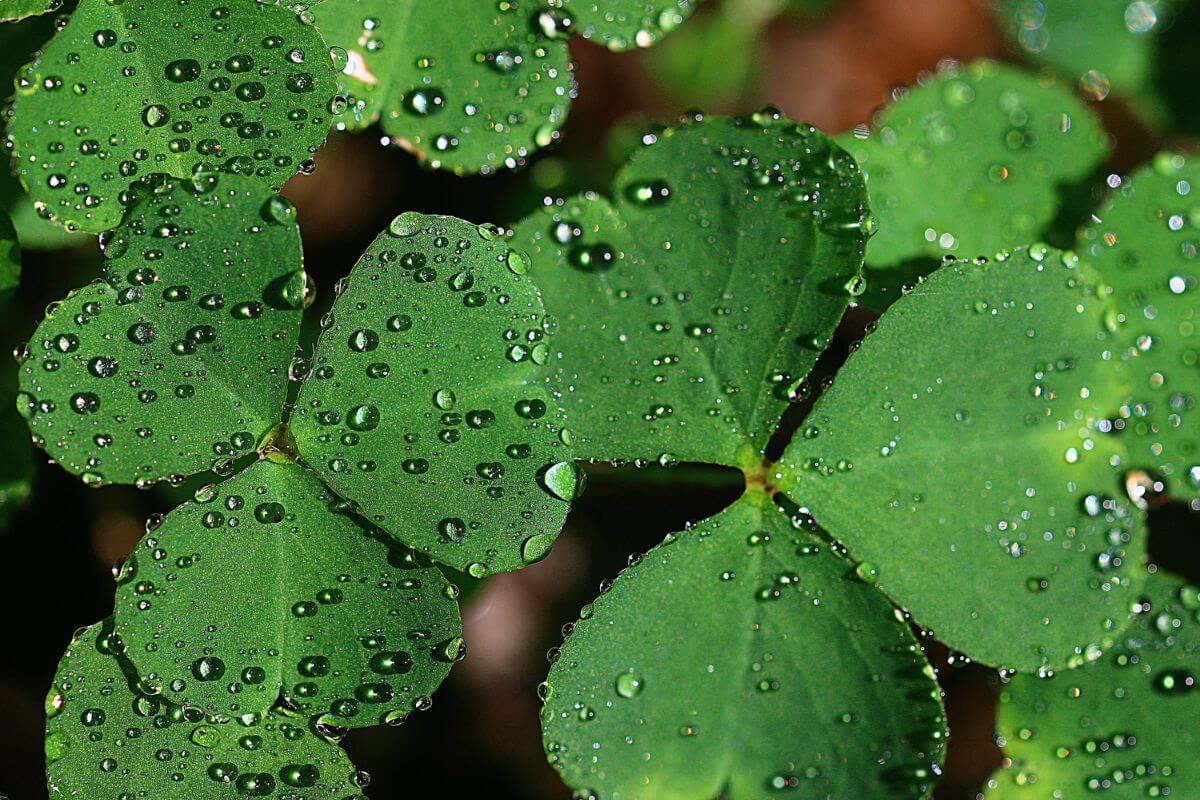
692,305
177,362
742,658
965,456
428,404
133,89
268,584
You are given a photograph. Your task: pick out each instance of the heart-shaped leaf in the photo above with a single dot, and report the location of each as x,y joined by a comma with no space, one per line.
14,10
178,360
743,659
266,583
1145,240
428,405
132,89
692,306
1123,727
964,455
106,738
465,85
976,159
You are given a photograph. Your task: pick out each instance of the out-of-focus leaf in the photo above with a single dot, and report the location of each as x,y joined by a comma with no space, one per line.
1145,241
975,159
1103,45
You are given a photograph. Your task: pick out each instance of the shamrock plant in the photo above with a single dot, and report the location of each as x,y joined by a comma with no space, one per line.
981,460
179,361
978,470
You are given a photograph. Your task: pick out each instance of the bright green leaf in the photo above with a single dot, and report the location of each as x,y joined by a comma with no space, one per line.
625,24
14,10
105,738
692,306
128,90
963,453
178,362
466,85
743,659
1123,727
267,583
1144,241
974,160
429,405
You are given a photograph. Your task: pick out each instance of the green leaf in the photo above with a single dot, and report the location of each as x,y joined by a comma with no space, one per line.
743,659
625,24
128,90
716,60
962,454
465,85
693,304
177,362
266,583
105,738
16,454
10,259
14,10
1144,241
19,43
976,159
1122,727
429,405
1104,45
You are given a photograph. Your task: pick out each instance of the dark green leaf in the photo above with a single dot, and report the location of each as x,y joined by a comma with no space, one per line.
466,85
974,160
1144,241
743,659
429,405
179,361
14,10
1124,727
128,90
963,454
10,259
692,306
105,738
265,584
16,454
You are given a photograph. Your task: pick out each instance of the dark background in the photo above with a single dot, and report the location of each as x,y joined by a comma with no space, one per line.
483,729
